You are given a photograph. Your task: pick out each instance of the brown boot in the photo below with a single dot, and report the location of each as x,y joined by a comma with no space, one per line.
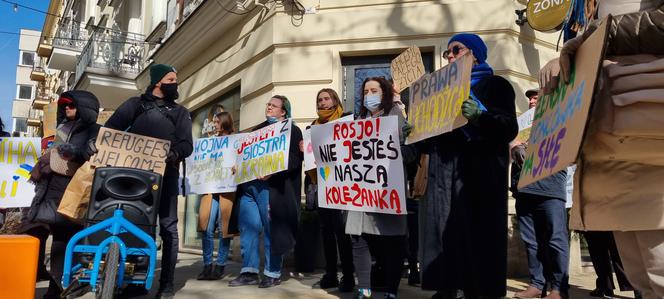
554,295
530,292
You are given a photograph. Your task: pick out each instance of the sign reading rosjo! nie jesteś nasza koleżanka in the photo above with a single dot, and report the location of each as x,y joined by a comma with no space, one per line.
560,117
436,98
17,157
359,165
122,149
263,152
210,166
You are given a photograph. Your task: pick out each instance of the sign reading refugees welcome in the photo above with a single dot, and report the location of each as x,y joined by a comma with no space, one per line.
560,117
436,98
122,149
407,68
18,155
210,166
263,152
359,165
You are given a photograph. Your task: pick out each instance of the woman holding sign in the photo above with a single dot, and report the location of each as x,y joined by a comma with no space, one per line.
270,205
385,234
216,212
329,108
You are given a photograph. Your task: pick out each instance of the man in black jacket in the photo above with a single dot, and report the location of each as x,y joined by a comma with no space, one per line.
156,114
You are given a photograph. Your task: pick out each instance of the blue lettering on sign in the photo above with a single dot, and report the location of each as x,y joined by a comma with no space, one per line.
550,123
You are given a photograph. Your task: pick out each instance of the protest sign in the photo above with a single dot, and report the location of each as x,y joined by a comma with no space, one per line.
122,149
17,157
407,68
436,98
263,152
359,165
104,116
308,147
561,116
209,168
50,119
525,121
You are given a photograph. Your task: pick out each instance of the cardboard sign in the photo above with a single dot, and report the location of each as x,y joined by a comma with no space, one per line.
407,68
359,165
436,98
209,168
309,159
104,116
122,149
263,152
50,119
561,117
17,157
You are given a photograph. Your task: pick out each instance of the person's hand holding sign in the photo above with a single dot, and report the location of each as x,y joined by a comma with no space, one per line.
471,110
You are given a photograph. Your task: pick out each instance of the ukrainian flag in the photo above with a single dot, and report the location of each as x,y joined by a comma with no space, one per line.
24,170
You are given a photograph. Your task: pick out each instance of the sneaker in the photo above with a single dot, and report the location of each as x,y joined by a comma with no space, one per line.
268,282
530,292
328,281
244,279
206,274
363,294
166,291
390,296
218,272
347,284
413,277
601,293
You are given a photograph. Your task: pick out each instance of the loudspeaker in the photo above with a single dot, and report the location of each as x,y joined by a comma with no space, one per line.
135,191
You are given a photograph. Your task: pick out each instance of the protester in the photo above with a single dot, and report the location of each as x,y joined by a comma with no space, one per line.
76,126
384,234
270,205
465,214
613,190
216,211
156,114
329,108
606,260
540,210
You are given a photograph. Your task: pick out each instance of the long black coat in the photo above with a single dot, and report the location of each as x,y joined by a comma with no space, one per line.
465,210
285,196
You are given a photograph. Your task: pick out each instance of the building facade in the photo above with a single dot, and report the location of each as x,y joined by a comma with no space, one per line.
239,53
23,117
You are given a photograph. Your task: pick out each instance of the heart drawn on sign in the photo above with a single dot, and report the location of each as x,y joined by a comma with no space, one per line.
324,172
16,177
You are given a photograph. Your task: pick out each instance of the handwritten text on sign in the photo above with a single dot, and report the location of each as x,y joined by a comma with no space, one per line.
309,159
122,149
210,165
436,98
359,165
263,152
560,117
407,68
17,157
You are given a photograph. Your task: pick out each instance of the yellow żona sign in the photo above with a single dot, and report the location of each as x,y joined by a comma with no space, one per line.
436,98
547,15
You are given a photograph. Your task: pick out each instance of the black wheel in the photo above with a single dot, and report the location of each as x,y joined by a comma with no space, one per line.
106,282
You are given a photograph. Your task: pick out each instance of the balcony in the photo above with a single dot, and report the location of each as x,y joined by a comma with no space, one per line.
68,43
177,15
38,73
108,65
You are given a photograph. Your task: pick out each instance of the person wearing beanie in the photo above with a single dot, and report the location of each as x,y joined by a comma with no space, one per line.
156,114
465,244
270,205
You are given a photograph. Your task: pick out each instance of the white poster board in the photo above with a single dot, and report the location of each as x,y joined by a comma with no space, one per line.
210,166
18,155
309,158
263,152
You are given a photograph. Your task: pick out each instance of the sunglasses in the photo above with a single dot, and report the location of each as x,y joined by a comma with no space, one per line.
455,51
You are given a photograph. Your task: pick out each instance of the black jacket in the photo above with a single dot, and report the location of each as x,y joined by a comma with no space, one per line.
168,121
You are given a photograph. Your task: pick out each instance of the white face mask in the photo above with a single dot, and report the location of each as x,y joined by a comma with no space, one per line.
372,101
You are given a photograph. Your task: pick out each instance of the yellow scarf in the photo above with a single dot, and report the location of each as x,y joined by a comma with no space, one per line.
328,115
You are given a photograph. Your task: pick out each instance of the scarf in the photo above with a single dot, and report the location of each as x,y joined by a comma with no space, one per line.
325,115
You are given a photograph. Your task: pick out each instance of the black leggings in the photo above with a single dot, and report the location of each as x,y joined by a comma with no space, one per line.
61,236
388,249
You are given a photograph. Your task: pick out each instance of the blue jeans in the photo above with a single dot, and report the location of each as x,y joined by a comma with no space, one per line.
543,228
208,237
253,219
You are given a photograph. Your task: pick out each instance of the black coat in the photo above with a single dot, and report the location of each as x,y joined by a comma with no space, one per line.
465,210
285,196
49,190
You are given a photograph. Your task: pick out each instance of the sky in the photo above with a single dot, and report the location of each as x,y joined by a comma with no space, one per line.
11,21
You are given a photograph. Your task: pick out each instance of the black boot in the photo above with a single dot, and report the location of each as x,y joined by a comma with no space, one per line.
218,272
347,284
328,281
244,279
166,291
206,274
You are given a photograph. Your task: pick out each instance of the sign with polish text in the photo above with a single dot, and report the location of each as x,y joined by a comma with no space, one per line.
309,159
210,166
359,165
407,68
123,149
18,155
263,152
436,98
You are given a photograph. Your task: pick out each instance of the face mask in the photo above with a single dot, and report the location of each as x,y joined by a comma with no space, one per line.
271,119
372,101
170,91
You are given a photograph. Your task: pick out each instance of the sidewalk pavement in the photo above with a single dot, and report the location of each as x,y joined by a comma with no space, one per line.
295,286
